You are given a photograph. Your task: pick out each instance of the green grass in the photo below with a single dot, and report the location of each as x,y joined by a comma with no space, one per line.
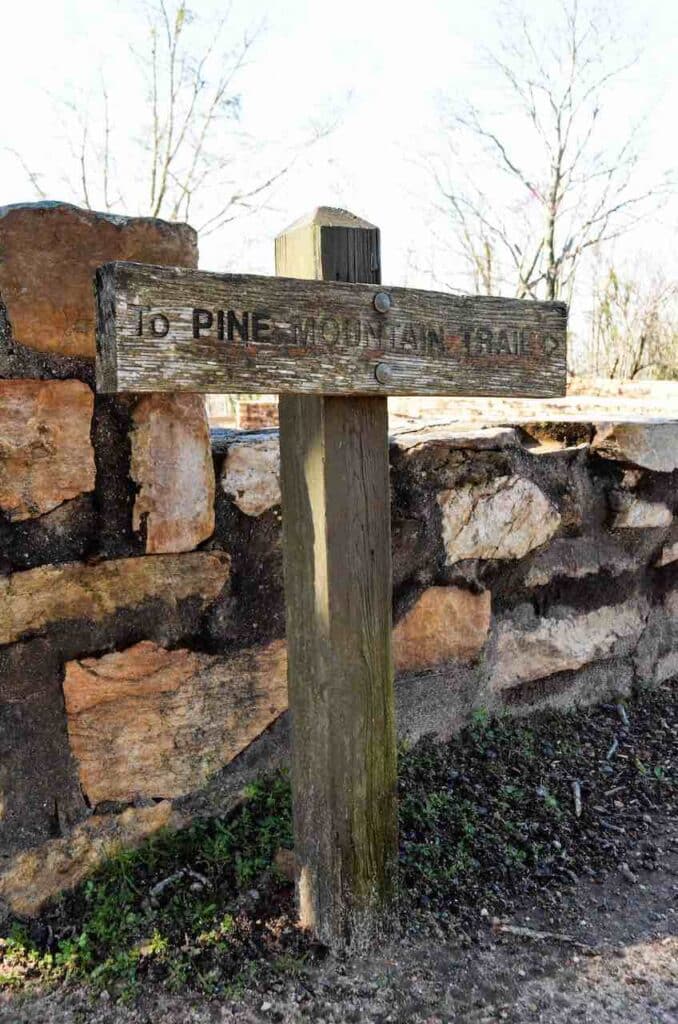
184,931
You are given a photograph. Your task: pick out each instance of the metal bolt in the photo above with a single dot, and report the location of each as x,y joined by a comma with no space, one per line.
384,373
382,302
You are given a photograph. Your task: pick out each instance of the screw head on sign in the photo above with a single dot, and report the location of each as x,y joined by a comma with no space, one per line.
384,373
382,302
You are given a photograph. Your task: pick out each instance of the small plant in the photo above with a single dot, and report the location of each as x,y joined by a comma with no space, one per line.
167,909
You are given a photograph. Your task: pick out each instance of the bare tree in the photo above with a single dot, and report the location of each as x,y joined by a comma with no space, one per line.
530,190
188,156
635,327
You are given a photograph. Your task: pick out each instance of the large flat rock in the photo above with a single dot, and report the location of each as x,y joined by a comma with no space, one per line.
503,518
541,647
650,445
49,254
455,437
155,723
171,463
444,624
36,876
579,558
31,600
588,401
46,456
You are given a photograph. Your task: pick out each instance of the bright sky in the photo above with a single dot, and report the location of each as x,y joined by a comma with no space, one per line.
392,58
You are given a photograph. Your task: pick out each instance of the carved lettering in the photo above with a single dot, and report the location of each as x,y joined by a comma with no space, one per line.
506,341
351,333
160,325
329,330
243,332
304,333
140,319
261,325
234,324
202,320
374,334
408,338
383,334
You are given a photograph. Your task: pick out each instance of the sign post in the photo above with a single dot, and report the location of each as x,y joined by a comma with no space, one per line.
337,559
334,344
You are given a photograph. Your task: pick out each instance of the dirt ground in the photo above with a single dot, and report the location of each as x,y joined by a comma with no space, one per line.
620,968
583,930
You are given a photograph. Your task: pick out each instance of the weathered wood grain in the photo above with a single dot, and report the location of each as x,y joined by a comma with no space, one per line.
337,559
174,329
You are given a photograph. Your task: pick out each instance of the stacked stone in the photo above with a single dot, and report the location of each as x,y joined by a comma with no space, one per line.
142,657
530,569
103,503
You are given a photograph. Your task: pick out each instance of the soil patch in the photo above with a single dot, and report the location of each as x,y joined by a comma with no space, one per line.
539,862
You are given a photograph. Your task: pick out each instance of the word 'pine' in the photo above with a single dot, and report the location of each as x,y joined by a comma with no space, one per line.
196,331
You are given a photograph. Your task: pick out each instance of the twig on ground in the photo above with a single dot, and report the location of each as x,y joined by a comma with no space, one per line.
621,711
613,749
531,933
576,791
165,882
159,887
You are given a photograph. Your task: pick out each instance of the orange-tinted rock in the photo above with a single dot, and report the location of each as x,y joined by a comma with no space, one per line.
172,466
156,723
46,456
445,624
31,600
49,254
36,876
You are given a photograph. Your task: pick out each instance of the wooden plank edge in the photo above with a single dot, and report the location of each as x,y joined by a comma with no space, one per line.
106,281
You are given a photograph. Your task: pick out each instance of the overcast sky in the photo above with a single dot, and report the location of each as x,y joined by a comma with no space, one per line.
382,63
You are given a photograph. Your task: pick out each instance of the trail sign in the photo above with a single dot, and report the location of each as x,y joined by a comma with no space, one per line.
333,349
235,333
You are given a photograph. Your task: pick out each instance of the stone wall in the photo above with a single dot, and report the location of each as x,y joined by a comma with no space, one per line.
142,654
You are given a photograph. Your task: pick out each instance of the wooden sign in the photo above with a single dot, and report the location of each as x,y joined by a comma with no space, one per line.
334,349
161,327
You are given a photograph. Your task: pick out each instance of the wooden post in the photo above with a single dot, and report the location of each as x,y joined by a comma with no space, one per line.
337,559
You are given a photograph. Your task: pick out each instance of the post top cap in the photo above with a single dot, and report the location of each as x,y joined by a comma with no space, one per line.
328,217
